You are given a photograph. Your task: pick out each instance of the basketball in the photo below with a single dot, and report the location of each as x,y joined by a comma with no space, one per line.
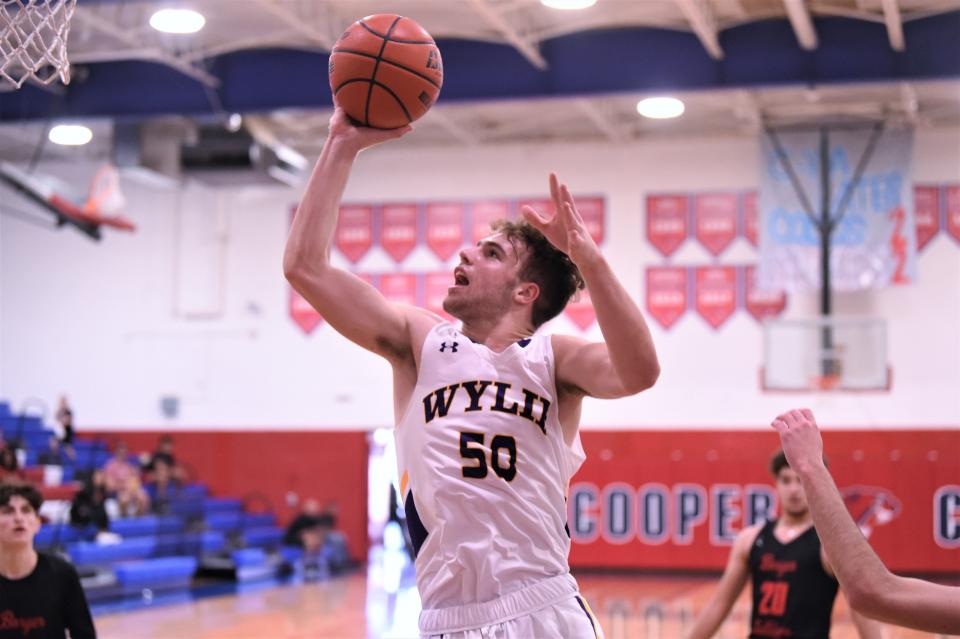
385,71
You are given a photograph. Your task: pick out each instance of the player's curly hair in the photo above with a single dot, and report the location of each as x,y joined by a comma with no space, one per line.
9,490
549,268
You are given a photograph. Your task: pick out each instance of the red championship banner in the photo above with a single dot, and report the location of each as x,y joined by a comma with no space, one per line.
715,217
354,234
435,287
952,197
445,228
682,507
580,310
715,295
760,303
400,288
667,298
751,221
926,203
398,232
667,222
482,214
592,210
303,315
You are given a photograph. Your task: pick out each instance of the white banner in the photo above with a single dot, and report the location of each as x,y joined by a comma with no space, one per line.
873,244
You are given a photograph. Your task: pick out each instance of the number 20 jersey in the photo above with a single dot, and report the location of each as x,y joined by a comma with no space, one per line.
484,469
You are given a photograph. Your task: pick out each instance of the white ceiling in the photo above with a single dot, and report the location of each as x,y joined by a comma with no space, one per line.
116,30
119,30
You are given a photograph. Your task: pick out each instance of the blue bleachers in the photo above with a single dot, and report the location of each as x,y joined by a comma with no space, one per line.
61,534
249,557
228,521
258,520
222,505
266,537
17,423
150,525
192,491
194,543
156,574
90,554
156,552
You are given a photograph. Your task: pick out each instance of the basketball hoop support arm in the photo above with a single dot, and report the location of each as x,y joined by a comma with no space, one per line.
826,223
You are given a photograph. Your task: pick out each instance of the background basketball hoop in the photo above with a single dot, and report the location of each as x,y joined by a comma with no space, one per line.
33,41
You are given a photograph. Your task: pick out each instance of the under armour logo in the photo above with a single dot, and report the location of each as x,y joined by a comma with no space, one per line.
444,347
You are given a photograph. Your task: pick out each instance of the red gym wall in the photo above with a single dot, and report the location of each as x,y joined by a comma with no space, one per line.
705,479
262,467
913,476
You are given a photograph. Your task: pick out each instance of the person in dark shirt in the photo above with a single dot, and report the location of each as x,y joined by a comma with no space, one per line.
40,595
792,581
88,506
8,457
165,454
306,530
161,487
65,418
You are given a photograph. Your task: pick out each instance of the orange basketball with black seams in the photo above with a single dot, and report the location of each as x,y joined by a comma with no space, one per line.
385,71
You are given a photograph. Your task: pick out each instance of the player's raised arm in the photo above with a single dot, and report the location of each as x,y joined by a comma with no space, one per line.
354,308
623,364
868,585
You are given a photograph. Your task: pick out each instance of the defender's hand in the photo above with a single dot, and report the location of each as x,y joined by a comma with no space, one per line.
800,438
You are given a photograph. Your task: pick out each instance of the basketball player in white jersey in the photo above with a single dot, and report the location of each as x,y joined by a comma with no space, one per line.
487,413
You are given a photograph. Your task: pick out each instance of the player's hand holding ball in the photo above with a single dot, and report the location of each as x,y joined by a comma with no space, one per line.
385,71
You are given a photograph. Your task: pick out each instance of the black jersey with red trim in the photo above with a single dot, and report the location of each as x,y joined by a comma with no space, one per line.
792,594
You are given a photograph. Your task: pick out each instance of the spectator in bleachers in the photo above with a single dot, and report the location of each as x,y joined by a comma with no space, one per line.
315,531
118,470
306,530
65,419
161,487
56,455
8,458
334,541
38,592
165,453
89,504
132,498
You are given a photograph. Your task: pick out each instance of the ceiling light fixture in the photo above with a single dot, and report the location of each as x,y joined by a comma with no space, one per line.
70,134
177,21
660,108
568,5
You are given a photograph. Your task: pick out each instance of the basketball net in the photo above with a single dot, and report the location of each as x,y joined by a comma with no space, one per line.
825,382
105,198
33,41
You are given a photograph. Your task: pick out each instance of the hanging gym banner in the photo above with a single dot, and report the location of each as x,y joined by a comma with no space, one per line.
715,220
926,202
445,228
873,243
398,234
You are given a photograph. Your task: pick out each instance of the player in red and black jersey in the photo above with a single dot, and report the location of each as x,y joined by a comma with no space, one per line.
793,583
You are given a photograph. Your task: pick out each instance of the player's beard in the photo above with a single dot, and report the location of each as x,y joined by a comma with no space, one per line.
472,306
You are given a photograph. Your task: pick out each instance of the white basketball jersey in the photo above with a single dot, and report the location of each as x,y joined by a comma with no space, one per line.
484,469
